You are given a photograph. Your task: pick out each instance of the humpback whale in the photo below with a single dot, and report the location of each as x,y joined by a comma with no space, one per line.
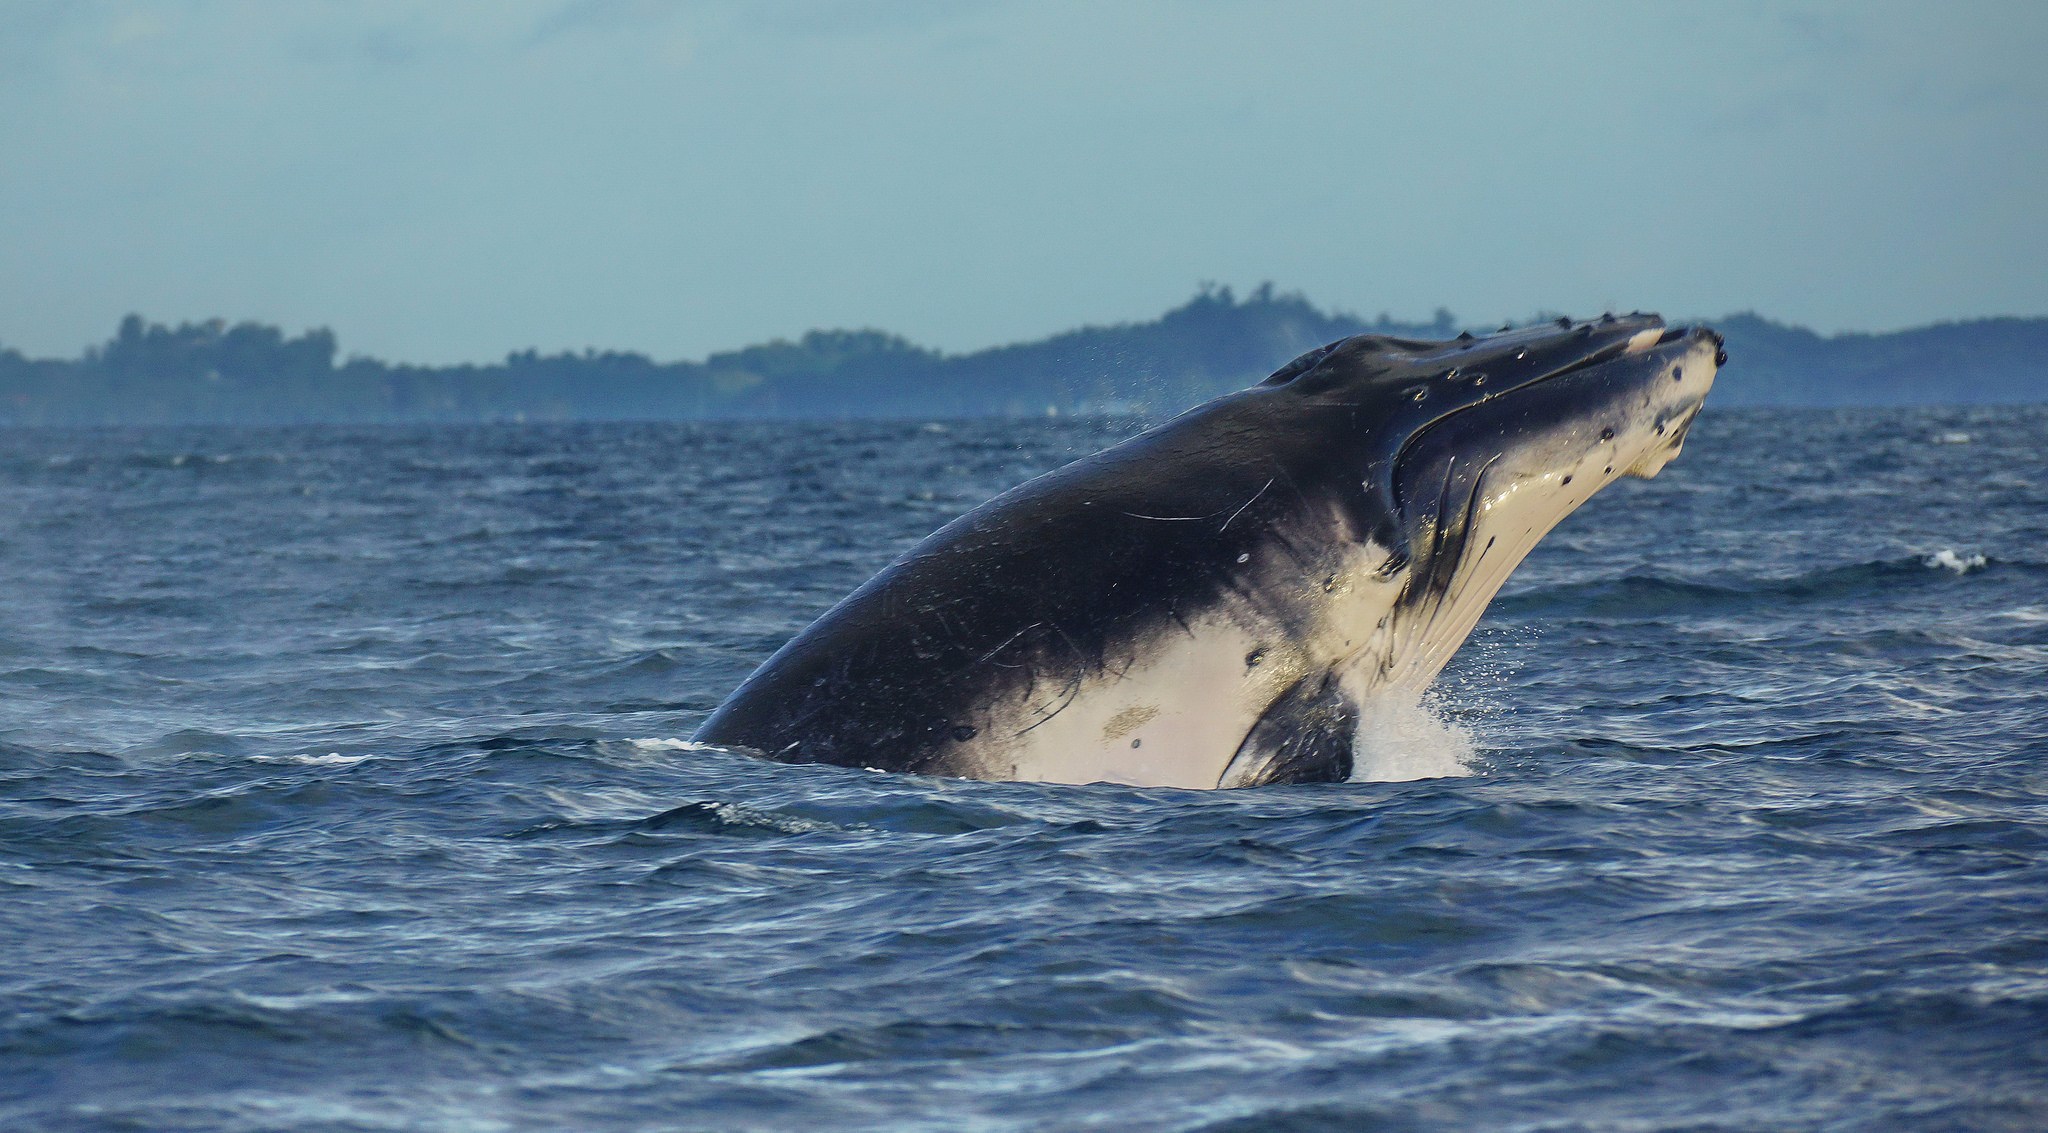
1210,603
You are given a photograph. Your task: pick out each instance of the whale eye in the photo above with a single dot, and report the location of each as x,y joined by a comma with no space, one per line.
1244,557
962,733
1677,372
1252,659
1607,434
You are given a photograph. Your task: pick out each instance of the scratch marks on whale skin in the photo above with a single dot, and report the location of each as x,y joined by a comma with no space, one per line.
1067,694
1011,640
1246,504
1234,513
1077,666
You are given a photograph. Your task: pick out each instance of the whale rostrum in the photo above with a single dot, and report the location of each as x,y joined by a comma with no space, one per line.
1210,603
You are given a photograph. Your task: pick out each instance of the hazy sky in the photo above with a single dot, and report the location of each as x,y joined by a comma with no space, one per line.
443,181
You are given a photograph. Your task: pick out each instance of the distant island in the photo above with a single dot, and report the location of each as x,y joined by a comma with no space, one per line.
249,373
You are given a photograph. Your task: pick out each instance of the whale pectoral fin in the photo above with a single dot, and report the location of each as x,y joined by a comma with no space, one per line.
1304,737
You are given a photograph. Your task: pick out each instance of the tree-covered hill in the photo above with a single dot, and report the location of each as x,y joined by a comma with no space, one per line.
212,372
1980,362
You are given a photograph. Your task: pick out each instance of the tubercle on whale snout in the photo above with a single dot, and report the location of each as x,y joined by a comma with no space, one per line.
1095,623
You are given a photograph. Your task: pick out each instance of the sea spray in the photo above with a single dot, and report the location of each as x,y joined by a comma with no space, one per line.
1400,739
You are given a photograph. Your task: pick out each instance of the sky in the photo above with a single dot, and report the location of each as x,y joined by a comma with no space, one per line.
449,181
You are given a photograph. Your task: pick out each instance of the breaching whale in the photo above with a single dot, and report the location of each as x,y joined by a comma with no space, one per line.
1210,603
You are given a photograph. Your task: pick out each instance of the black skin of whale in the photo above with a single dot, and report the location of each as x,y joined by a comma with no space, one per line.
1050,583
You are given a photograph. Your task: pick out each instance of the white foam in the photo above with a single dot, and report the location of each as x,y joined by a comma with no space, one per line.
331,759
1961,564
651,746
1400,740
1952,437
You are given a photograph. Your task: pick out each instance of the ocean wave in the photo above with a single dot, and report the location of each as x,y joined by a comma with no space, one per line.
731,818
327,847
1651,593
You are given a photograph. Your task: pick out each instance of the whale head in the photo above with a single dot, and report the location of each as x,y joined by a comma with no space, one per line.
1468,451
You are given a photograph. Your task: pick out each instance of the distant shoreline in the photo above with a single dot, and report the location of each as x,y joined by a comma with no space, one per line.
248,373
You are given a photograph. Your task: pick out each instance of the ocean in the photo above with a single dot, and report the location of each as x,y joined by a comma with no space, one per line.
345,784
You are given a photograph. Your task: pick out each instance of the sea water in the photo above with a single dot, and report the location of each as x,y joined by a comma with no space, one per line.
345,784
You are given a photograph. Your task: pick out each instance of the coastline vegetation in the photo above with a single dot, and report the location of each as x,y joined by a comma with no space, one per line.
251,373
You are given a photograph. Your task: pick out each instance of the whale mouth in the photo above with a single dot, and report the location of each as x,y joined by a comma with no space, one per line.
1655,458
1637,347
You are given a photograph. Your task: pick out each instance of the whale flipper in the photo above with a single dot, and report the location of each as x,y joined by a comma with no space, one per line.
1305,737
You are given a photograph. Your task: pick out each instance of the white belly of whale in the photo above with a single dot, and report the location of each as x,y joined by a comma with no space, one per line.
1175,712
1172,719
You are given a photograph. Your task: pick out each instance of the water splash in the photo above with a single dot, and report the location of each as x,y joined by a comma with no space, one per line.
1961,564
664,746
1401,740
